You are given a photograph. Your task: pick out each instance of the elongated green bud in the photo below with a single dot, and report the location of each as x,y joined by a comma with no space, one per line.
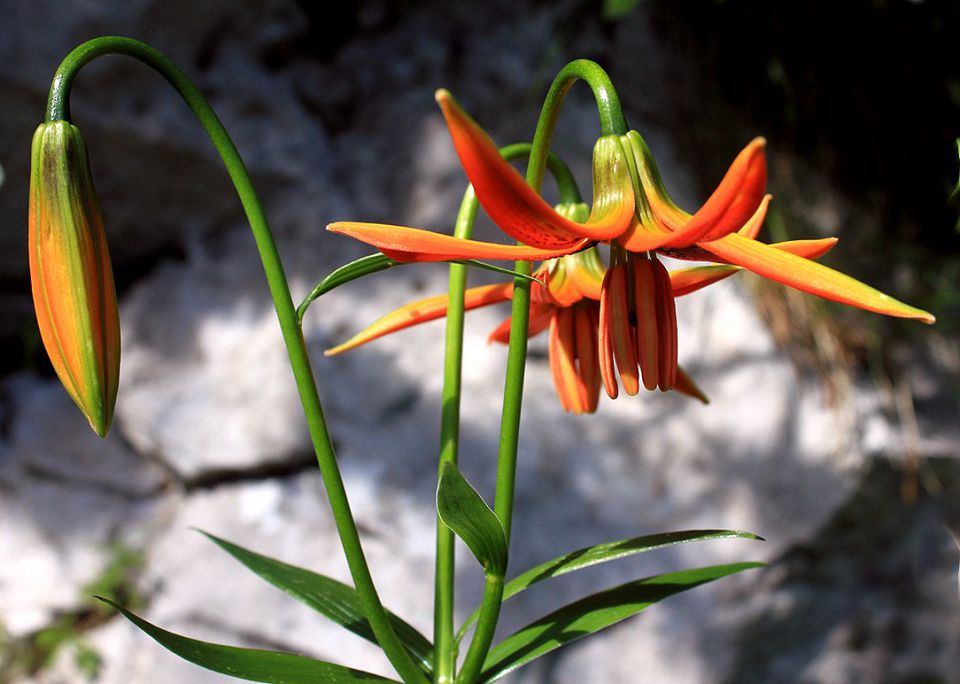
70,273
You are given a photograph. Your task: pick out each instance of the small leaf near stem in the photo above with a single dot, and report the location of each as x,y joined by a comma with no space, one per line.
463,510
374,263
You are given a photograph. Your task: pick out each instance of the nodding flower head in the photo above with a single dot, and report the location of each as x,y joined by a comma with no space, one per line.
70,272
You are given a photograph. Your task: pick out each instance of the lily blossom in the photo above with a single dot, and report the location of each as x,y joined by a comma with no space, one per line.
634,214
722,231
566,301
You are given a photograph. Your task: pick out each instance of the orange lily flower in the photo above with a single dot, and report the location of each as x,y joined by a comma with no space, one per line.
71,275
565,300
633,212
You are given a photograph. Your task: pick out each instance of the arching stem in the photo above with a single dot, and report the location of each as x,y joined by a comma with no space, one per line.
58,108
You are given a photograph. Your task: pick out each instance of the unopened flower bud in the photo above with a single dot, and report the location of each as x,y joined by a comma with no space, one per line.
71,275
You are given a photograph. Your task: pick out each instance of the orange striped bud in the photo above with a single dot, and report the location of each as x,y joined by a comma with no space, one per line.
71,275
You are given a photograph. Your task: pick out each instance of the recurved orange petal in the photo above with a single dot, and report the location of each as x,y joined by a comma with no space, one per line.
752,227
808,249
422,311
401,243
732,205
540,315
517,209
686,385
809,276
683,281
736,200
687,280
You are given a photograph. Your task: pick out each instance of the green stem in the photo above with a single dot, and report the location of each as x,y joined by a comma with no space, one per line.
612,122
445,645
58,108
445,657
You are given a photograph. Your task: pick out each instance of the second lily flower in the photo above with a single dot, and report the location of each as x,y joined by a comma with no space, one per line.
634,214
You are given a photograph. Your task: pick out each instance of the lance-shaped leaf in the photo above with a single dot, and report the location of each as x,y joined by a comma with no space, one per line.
593,613
335,600
248,663
462,509
604,553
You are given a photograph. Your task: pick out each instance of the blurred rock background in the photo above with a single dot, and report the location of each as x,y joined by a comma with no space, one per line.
833,433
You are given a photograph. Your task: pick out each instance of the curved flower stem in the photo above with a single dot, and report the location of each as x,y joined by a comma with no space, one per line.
58,108
613,122
445,645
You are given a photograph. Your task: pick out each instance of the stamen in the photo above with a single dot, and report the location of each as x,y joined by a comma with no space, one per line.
605,343
645,306
622,335
666,327
587,358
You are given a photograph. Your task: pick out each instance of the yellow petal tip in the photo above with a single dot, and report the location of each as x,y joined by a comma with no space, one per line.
442,95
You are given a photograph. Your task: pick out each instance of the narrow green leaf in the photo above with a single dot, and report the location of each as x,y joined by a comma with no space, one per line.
374,263
493,268
335,600
593,613
247,663
464,511
603,553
